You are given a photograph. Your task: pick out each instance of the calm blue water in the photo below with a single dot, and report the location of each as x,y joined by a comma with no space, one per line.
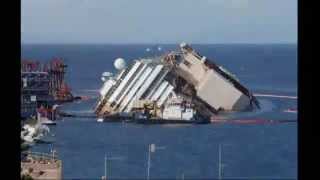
249,151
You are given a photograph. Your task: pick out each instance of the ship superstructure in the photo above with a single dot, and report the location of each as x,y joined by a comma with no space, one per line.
143,79
151,84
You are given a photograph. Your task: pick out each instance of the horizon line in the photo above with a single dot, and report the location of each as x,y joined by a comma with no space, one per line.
137,43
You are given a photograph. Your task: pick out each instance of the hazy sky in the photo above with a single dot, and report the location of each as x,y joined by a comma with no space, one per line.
159,21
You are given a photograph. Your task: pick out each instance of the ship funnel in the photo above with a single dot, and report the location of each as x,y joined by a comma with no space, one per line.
120,64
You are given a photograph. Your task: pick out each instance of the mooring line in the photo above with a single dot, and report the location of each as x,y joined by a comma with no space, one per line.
276,96
290,111
252,121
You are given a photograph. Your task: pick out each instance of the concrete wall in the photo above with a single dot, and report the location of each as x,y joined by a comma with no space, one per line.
50,171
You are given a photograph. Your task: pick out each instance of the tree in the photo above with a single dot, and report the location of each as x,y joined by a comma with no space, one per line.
26,177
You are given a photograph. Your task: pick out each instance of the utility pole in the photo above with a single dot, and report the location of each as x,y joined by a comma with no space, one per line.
220,166
152,148
106,164
149,159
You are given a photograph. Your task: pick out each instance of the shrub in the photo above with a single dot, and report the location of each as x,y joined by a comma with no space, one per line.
26,177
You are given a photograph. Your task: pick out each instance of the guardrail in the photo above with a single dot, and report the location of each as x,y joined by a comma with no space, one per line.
40,155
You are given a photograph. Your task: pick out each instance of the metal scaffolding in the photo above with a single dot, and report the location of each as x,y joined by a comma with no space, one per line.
42,84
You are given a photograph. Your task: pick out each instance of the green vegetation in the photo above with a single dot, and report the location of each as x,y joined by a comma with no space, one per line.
26,177
24,147
31,121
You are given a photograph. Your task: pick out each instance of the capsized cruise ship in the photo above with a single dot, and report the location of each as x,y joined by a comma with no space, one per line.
178,86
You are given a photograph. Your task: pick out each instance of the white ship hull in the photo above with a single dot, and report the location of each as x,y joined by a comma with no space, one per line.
187,74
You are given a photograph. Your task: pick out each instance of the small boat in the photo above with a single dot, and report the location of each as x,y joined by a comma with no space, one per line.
290,110
42,141
45,120
28,139
100,120
32,134
48,122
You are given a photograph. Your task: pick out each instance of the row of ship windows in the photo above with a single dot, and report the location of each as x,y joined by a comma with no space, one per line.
151,87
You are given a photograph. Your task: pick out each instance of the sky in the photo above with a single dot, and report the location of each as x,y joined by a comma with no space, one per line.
159,21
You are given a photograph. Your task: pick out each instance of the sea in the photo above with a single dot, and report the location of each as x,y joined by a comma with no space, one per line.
90,149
